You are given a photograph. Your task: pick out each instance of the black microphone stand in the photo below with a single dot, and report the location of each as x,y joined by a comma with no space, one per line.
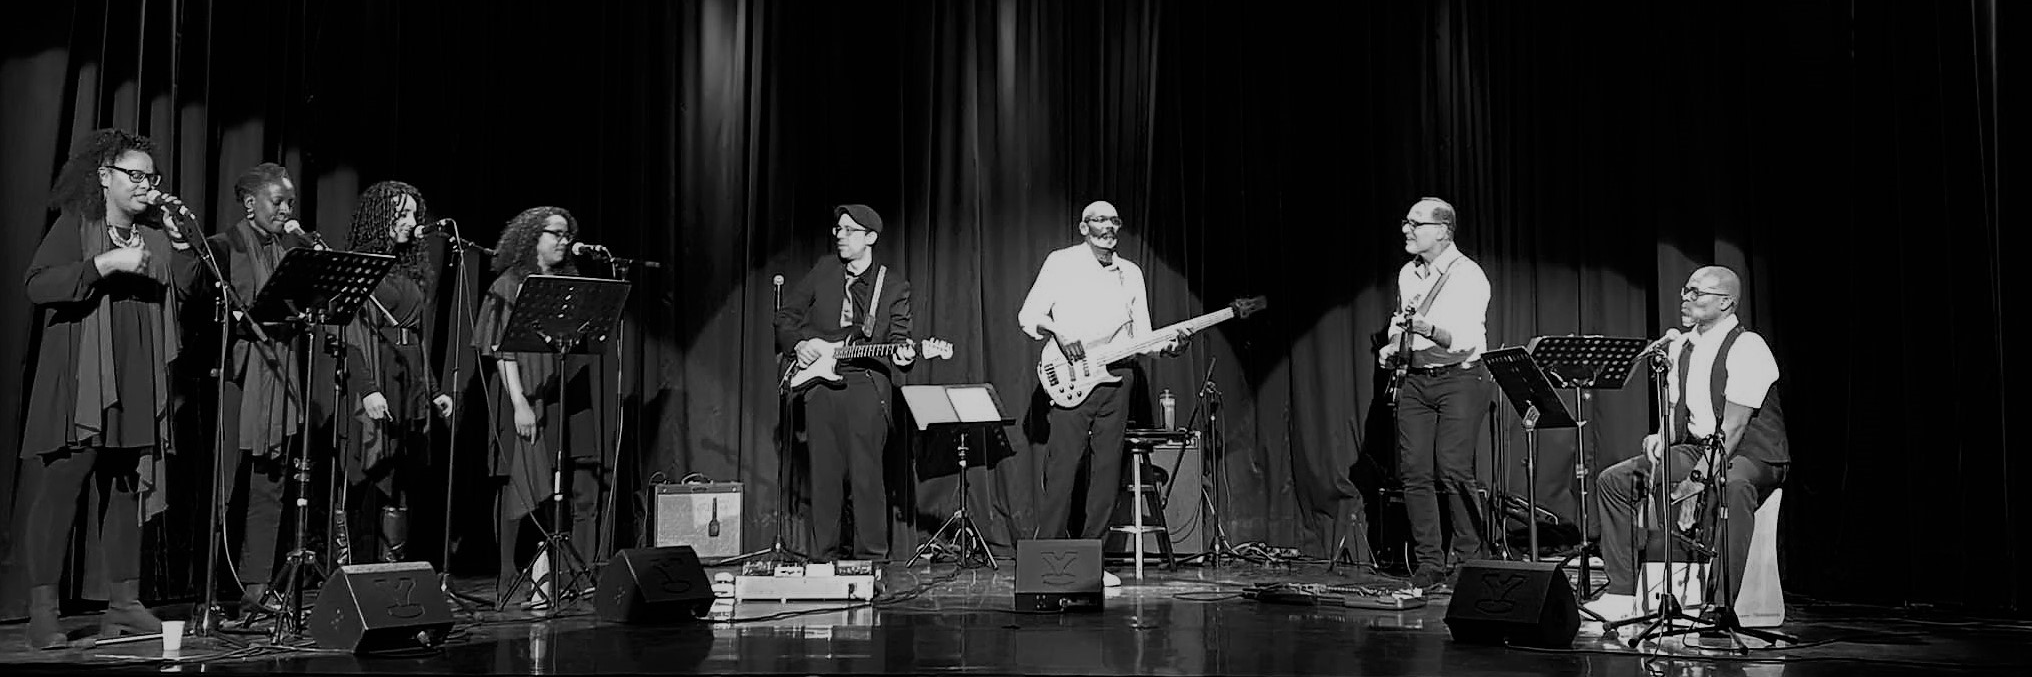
777,550
456,251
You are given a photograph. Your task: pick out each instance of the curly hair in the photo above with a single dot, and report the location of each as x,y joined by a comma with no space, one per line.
372,217
252,180
517,249
77,190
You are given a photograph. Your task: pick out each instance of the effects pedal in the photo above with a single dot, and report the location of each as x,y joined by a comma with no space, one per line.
845,580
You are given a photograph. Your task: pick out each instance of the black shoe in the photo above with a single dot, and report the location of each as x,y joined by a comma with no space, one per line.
1428,577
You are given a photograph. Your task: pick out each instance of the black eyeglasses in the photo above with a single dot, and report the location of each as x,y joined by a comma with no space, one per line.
1694,293
1103,218
848,230
137,176
565,235
1408,223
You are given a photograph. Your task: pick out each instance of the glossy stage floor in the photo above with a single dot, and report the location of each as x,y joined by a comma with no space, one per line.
1188,622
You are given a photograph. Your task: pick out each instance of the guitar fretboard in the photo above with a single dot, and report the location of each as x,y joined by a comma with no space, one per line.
866,350
1158,336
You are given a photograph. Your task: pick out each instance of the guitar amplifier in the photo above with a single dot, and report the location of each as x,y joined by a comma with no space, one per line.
706,517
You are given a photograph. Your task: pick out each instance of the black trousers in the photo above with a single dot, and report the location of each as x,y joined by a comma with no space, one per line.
1095,426
847,426
49,491
1438,418
1623,486
260,490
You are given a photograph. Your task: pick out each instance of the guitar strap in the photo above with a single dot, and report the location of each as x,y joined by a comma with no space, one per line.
1425,305
874,301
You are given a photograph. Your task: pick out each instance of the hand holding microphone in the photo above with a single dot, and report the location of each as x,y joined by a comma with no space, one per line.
171,207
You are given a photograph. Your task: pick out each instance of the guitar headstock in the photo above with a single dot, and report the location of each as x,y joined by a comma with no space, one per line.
935,349
1245,307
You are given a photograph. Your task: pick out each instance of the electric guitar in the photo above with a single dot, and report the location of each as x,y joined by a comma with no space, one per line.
1068,382
803,373
1400,363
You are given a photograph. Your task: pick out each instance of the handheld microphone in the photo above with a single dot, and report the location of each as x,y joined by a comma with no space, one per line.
1658,347
296,227
170,206
435,227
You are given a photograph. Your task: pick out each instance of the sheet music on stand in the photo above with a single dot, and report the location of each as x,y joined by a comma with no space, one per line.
319,286
1593,362
962,407
560,310
1528,388
943,405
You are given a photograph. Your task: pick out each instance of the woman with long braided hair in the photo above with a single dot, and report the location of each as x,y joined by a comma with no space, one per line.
389,370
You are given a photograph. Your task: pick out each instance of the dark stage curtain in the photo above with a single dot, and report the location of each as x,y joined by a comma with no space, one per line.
1843,155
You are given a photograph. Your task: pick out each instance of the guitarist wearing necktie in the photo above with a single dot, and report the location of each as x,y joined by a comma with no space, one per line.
849,298
1723,379
1443,395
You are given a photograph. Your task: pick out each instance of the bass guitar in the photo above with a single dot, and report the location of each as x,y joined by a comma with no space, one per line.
1068,382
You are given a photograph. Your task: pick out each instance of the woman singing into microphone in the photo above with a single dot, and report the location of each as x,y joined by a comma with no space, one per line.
387,450
106,291
527,410
260,413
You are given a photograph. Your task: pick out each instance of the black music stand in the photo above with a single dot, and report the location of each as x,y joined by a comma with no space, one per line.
960,407
1538,406
1583,364
310,287
560,315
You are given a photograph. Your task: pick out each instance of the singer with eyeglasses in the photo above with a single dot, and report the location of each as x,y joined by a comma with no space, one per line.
260,415
106,281
1442,392
1723,378
396,390
538,241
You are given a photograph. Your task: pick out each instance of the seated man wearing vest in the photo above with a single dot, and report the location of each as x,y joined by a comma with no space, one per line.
1722,378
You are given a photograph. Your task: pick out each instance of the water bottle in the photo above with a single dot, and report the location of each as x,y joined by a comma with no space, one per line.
1170,409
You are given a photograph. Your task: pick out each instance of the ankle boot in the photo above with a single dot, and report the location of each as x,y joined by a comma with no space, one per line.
125,613
394,534
44,632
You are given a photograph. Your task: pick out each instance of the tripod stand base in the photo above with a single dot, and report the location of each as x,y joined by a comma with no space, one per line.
569,576
959,539
776,552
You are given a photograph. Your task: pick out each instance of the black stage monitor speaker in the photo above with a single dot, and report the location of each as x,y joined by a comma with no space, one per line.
1521,603
1058,575
367,608
654,585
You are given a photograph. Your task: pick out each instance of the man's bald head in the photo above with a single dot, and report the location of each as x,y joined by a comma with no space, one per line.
1721,279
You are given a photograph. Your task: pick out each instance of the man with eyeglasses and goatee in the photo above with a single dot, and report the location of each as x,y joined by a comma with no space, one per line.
849,297
1440,388
1722,379
1087,295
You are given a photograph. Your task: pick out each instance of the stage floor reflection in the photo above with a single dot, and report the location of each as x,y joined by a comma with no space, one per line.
1189,622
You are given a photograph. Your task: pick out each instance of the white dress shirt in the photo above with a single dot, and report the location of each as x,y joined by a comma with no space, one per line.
1752,369
1462,307
1087,301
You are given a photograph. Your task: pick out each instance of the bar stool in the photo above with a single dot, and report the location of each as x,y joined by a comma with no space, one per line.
1147,511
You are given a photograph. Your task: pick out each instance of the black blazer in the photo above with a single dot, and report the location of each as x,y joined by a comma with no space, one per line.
812,308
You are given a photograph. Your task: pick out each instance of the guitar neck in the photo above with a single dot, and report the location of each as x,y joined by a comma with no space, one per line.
867,350
1159,335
